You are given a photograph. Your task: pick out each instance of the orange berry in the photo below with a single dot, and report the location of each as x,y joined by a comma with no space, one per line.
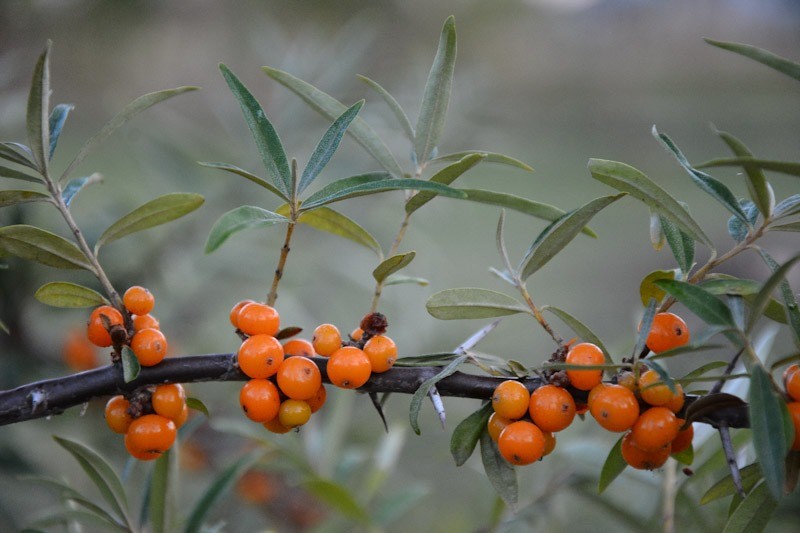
593,392
117,416
496,425
349,367
521,443
668,331
169,400
150,346
357,334
581,408
794,411
318,400
256,487
259,319
299,347
260,400
294,413
299,378
653,390
260,356
791,381
79,354
627,380
675,404
96,330
549,442
614,407
643,460
141,322
234,314
684,438
149,436
138,300
275,426
181,419
655,428
551,408
585,354
382,353
511,399
326,340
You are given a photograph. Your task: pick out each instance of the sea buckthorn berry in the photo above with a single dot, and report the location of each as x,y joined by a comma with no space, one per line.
511,399
667,332
794,411
593,392
299,347
181,419
653,390
349,367
382,353
260,356
259,319
654,428
585,354
357,334
294,413
260,400
149,436
551,408
138,300
496,425
79,354
627,380
581,408
549,442
326,340
675,404
150,346
614,407
684,438
791,381
318,400
117,416
96,330
234,314
169,400
275,426
141,322
521,443
299,378
644,460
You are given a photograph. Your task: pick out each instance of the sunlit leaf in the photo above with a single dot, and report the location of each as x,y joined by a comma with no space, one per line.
38,110
422,392
35,244
501,474
790,168
491,157
757,185
751,475
467,434
65,294
337,497
392,265
394,106
247,175
782,65
235,220
56,123
447,175
647,289
753,513
14,197
686,456
467,303
701,302
130,365
766,420
612,467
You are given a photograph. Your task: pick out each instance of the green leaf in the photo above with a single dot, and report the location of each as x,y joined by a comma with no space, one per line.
75,186
793,227
685,349
746,288
788,206
331,108
247,175
218,488
396,279
647,288
13,197
68,493
159,493
662,374
447,175
613,466
4,328
581,329
197,405
422,392
328,145
711,403
394,106
466,303
739,230
644,329
757,185
38,109
784,167
235,220
752,515
699,301
9,153
681,244
131,110
130,365
34,244
6,172
69,517
434,359
392,265
337,497
65,294
763,297
330,221
491,157
560,233
158,211
56,123
787,295
625,178
686,456
468,433
766,420
436,97
751,475
501,474
784,66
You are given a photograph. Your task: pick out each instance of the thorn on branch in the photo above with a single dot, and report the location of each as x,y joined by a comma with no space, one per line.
438,405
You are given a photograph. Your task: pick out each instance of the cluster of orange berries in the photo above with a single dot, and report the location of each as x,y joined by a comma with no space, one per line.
150,421
791,382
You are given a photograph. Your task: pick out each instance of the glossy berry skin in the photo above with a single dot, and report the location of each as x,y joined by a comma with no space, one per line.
79,354
318,400
349,367
549,443
357,334
521,443
96,330
299,347
791,381
117,416
644,460
382,353
511,399
294,413
181,419
326,340
169,400
149,436
667,332
654,429
233,316
259,319
275,426
675,404
138,300
551,408
260,400
586,354
496,425
260,356
627,380
684,438
614,407
653,390
141,322
299,378
794,411
150,346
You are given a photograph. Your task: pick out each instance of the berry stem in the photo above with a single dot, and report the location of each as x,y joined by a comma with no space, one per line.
273,292
523,289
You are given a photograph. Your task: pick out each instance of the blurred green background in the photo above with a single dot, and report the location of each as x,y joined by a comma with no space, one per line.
551,82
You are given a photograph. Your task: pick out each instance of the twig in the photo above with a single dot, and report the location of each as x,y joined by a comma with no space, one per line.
727,447
719,384
273,292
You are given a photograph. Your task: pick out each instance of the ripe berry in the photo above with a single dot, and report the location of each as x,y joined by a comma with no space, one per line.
794,411
552,408
655,428
294,413
117,416
260,400
138,300
150,346
181,419
318,400
653,390
357,334
382,353
141,322
684,438
521,443
614,407
149,436
549,442
79,354
299,378
260,356
96,330
256,487
496,425
349,367
326,340
791,381
275,426
585,354
234,314
299,347
675,404
259,319
627,380
643,460
169,400
668,331
511,399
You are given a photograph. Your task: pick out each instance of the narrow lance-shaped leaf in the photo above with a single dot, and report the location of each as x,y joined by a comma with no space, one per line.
233,169
782,65
397,279
6,172
790,168
422,392
757,185
330,221
644,328
38,110
159,493
130,365
392,265
501,474
56,123
766,420
788,206
751,474
337,497
787,295
235,220
394,106
13,197
491,157
753,513
792,227
468,432
447,175
469,303
581,329
612,467
701,302
9,153
66,294
154,213
76,185
763,297
35,244
681,245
